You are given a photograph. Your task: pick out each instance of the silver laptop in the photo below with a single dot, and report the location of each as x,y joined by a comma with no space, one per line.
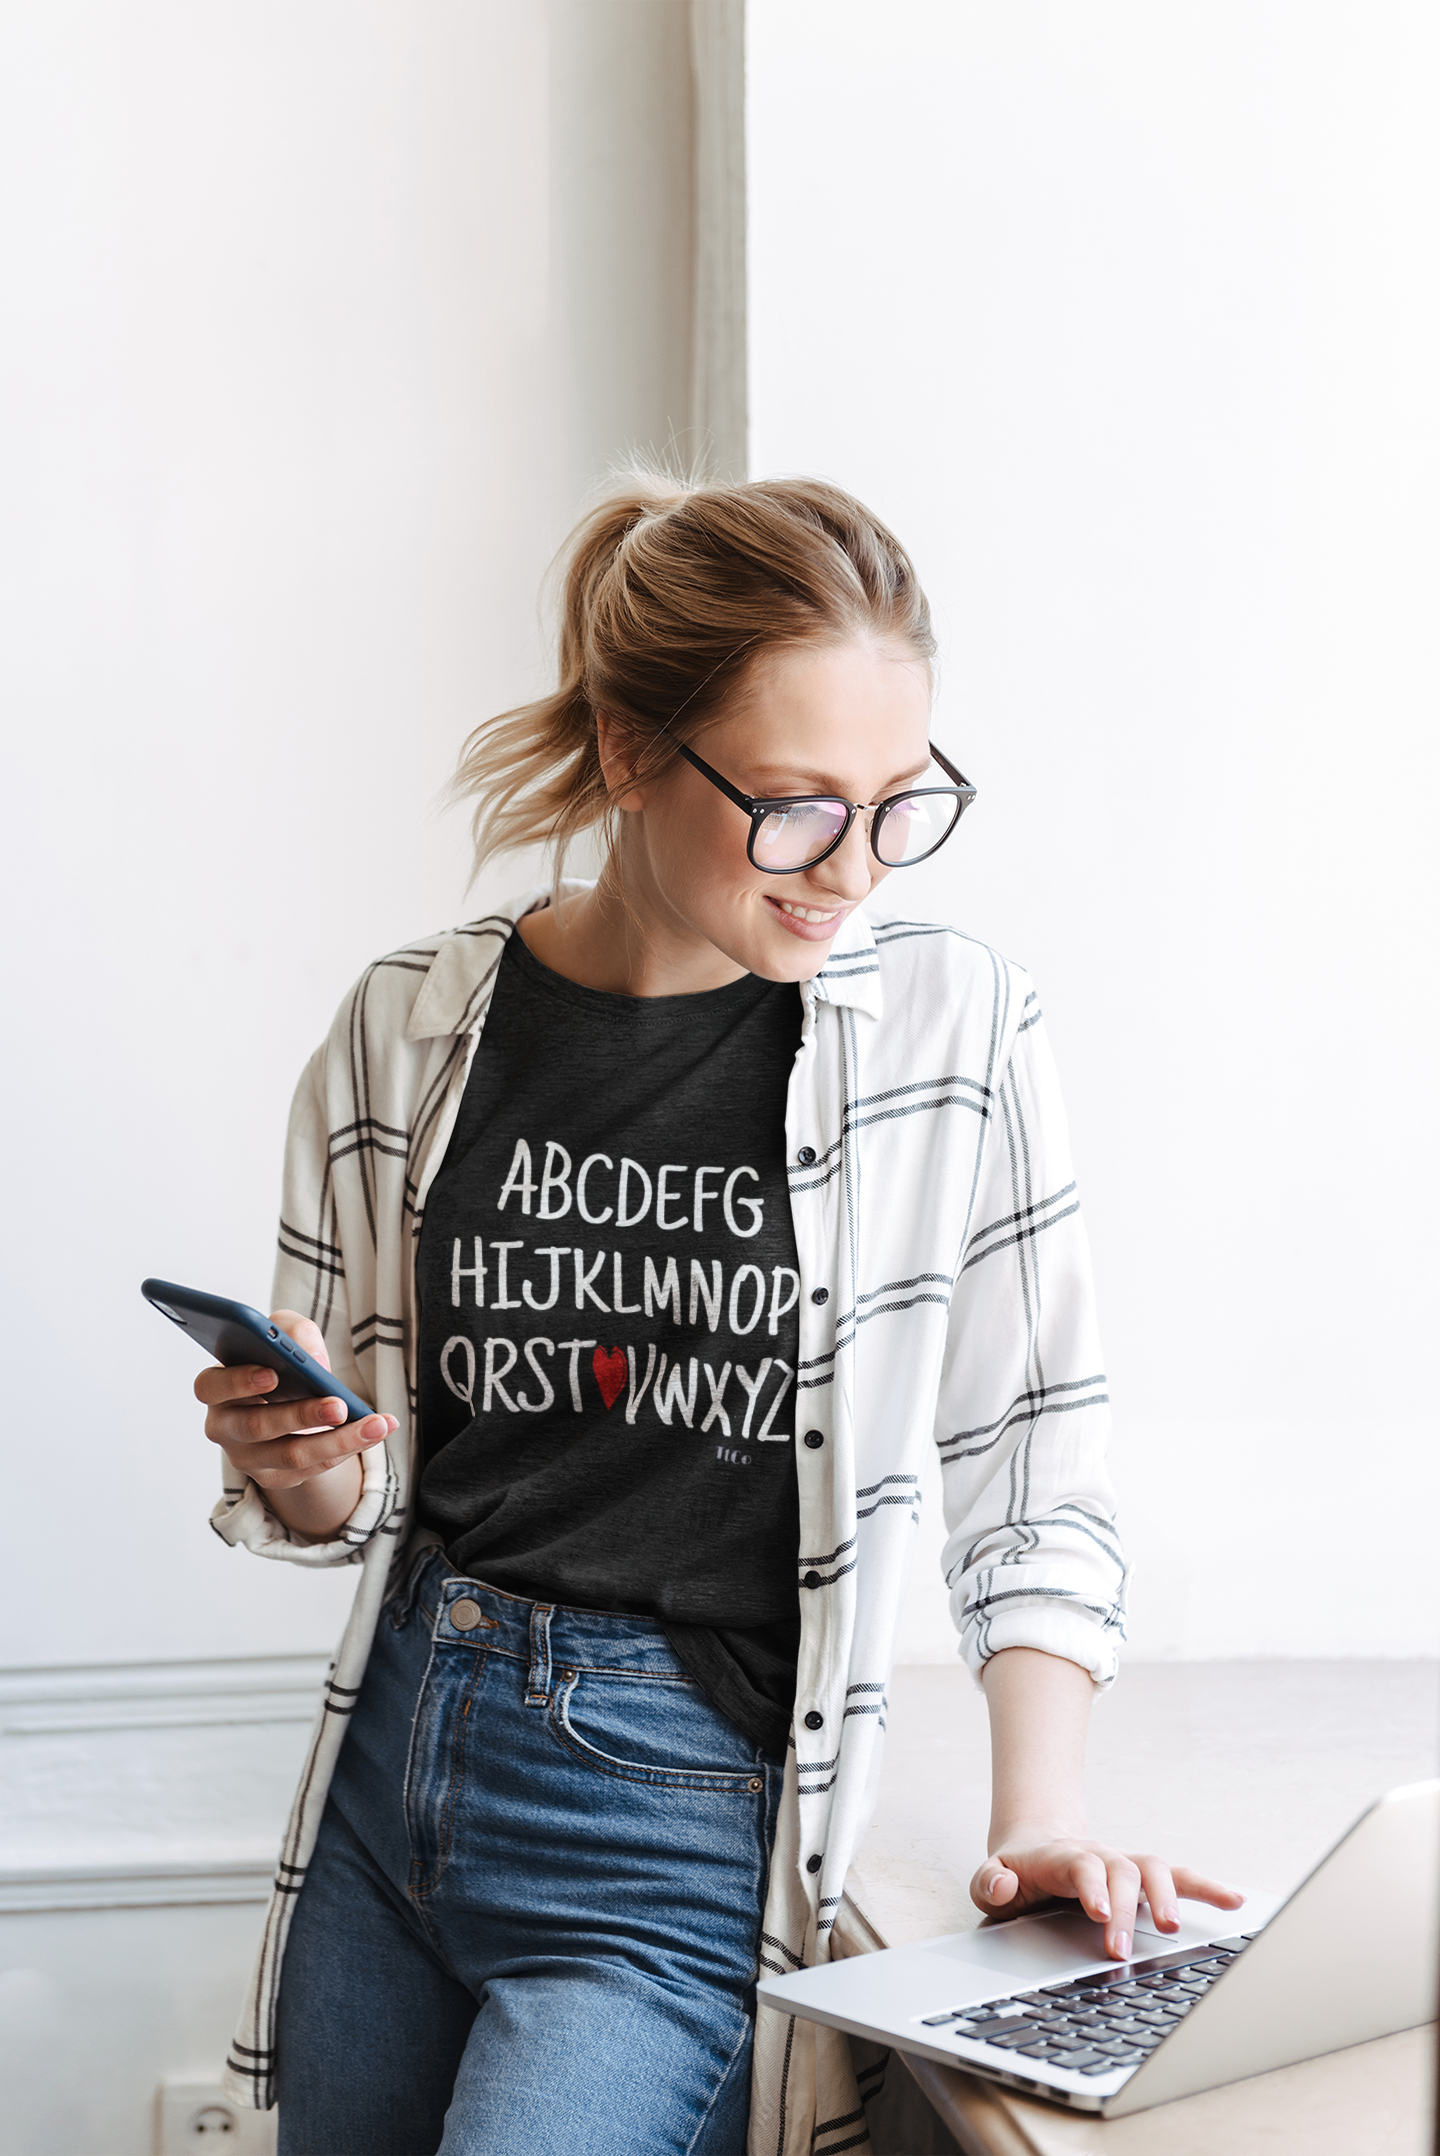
1351,1954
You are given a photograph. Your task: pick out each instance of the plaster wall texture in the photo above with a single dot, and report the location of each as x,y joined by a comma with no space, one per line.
1126,318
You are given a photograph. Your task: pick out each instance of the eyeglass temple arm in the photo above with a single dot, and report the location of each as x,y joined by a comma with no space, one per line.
945,765
732,793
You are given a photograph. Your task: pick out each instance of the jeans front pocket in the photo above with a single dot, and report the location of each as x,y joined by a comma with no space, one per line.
660,1730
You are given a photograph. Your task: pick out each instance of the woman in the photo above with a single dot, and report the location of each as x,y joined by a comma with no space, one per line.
665,1221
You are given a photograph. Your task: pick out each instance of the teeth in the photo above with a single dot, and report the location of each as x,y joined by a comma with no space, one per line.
807,913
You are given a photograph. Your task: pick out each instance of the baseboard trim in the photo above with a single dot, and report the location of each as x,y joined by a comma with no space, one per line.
216,1694
136,1883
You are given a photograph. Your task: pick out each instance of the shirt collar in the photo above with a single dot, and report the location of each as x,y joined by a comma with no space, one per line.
850,976
455,993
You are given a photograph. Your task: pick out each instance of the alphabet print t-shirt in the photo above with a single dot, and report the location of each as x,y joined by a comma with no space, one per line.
608,1322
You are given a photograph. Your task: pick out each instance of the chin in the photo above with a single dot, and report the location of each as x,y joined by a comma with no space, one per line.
777,955
797,971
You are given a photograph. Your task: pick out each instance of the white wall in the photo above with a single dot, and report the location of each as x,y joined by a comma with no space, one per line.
1126,318
315,321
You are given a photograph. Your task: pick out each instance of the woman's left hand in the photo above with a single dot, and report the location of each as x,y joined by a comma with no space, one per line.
1032,1866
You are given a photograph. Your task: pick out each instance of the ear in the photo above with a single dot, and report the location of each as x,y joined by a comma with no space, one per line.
617,764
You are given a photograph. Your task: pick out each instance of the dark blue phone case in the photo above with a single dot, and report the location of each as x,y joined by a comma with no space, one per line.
235,1334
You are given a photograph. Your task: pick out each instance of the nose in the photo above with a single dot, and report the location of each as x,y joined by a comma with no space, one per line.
848,873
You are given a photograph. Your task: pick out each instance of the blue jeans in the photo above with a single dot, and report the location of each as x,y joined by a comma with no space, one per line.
531,1922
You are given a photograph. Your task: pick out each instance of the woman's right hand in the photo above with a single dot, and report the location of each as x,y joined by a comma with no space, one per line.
303,1455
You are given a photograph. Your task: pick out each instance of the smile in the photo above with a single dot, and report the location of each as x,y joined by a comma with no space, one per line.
810,913
812,924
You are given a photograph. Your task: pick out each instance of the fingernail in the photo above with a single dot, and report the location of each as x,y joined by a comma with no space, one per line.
264,1379
1169,1914
1103,1907
1122,1946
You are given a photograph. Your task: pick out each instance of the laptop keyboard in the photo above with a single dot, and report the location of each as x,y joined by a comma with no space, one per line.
1098,2023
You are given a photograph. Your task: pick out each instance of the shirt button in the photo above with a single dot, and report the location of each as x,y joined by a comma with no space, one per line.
814,1439
806,1156
812,1579
819,1295
465,1614
814,1720
813,1864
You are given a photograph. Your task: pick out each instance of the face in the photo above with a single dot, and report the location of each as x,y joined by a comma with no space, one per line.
854,721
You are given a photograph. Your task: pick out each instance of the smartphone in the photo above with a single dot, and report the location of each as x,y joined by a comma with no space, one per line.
235,1334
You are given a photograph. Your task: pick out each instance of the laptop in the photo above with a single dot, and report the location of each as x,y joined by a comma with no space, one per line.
1034,2003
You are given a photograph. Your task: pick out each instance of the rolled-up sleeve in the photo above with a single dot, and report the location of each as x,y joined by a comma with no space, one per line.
1032,1557
310,1278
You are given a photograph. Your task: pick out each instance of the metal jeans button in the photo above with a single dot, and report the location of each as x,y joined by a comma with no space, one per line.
466,1614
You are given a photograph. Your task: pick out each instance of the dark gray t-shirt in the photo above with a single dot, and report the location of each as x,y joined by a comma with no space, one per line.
608,1325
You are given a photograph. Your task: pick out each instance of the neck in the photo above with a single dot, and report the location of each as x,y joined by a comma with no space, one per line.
624,938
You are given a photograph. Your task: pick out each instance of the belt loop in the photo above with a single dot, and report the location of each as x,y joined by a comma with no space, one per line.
537,1689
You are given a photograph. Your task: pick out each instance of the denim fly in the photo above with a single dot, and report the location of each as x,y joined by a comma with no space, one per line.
532,1918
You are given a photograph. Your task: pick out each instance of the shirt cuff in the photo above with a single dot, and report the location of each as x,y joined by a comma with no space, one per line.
243,1519
1072,1622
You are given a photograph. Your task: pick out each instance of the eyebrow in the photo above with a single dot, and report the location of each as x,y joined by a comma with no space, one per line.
816,782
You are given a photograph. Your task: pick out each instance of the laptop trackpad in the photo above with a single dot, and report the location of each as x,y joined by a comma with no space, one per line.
1043,1949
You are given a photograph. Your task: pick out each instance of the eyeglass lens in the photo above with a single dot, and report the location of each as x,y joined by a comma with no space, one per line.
914,826
789,837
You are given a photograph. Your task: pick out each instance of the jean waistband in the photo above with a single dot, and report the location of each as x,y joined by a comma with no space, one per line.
545,1635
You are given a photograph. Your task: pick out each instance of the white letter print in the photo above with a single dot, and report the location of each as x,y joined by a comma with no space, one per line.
537,1407
493,1376
554,1180
465,1392
754,1206
521,1178
575,1347
475,1272
735,1286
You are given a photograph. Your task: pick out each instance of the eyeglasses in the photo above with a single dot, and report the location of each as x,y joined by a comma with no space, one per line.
797,831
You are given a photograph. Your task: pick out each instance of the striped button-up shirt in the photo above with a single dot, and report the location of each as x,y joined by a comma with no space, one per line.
945,1299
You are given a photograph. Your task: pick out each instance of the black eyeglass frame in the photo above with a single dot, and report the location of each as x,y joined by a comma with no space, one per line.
758,809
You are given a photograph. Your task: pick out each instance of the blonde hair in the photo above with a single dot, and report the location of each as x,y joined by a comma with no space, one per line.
670,591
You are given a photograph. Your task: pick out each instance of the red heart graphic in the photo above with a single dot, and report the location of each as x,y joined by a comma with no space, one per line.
610,1372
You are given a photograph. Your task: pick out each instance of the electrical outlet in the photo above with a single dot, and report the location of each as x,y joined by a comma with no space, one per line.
197,2118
